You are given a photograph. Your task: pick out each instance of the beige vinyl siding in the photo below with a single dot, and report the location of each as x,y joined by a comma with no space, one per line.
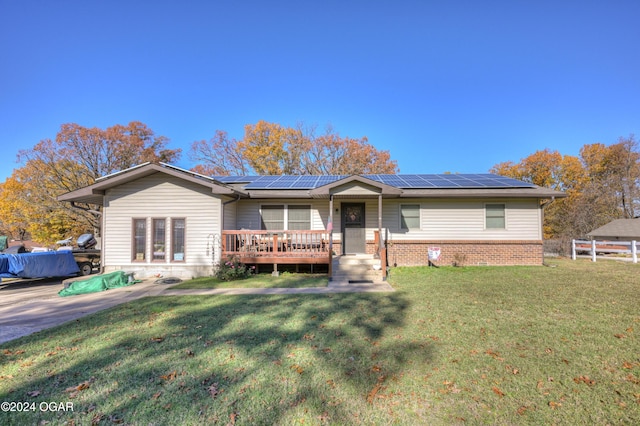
159,196
465,220
230,215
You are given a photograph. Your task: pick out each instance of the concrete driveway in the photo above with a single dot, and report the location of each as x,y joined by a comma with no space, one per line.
27,307
30,306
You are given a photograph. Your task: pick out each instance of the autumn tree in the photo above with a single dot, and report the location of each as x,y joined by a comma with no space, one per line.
602,184
218,156
273,149
75,159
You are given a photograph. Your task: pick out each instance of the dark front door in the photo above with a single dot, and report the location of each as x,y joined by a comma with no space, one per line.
353,228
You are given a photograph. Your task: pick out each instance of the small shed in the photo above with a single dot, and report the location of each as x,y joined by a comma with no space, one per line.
618,230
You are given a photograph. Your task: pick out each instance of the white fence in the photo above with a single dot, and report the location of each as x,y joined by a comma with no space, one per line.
593,247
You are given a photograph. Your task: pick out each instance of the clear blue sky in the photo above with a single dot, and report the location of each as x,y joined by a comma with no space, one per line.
443,85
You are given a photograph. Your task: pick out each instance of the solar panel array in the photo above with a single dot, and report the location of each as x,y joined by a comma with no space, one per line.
423,181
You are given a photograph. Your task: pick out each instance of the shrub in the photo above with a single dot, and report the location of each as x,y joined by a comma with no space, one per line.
232,269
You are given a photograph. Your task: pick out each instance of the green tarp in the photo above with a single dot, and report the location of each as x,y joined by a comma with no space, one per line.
99,283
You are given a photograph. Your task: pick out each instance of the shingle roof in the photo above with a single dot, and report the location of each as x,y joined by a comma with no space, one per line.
623,228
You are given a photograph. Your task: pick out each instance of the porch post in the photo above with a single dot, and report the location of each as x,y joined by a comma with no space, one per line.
379,223
331,238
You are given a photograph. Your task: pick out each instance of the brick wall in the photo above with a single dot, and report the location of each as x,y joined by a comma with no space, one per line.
464,253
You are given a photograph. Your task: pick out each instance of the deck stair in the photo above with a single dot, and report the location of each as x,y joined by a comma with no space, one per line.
356,268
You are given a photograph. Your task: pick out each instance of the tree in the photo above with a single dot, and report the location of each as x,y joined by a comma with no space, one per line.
28,206
75,159
272,149
218,156
602,184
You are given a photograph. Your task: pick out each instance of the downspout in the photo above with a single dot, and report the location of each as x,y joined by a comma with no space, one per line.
543,207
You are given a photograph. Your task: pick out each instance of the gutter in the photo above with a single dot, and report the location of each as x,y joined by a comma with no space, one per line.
543,207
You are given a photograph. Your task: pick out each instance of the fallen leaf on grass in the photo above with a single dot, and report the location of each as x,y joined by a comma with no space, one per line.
554,404
169,376
627,365
585,380
372,394
633,379
8,352
213,390
297,368
522,410
34,393
157,339
619,336
494,354
73,390
497,391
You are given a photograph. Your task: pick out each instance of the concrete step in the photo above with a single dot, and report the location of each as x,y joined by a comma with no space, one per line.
375,276
359,259
352,268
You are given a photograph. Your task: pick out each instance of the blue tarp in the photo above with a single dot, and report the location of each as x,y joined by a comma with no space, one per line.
38,265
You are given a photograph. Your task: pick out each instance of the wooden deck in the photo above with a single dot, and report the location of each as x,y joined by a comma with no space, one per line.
277,247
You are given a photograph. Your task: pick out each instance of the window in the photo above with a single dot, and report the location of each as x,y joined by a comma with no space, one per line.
139,239
409,216
299,218
159,239
295,217
272,217
177,240
495,216
160,251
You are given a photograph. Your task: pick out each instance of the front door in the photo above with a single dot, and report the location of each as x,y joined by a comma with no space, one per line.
353,228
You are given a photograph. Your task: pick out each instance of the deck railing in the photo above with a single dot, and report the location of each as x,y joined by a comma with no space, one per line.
259,246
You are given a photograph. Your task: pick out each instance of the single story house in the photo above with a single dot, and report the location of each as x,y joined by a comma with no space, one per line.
618,230
158,219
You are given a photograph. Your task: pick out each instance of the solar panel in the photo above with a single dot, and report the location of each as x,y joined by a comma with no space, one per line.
415,181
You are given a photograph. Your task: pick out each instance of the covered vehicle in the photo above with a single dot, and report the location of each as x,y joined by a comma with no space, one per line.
86,255
38,265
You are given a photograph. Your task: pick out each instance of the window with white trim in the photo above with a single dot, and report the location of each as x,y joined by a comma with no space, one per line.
177,239
409,216
167,237
139,239
159,239
495,216
285,217
272,217
298,217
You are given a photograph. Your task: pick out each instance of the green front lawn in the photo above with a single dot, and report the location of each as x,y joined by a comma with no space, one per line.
476,345
284,280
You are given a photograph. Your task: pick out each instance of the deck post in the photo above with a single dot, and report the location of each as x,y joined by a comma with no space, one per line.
634,251
593,250
573,249
379,225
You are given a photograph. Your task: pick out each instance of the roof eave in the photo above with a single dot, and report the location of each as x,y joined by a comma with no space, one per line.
94,193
